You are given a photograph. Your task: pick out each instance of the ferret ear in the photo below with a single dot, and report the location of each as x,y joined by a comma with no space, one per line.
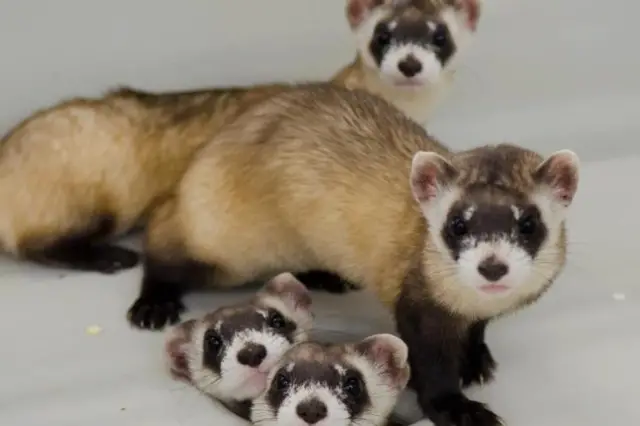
290,290
389,353
177,343
358,10
560,173
431,173
470,10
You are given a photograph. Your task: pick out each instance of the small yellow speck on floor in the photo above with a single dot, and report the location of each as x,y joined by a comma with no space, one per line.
93,330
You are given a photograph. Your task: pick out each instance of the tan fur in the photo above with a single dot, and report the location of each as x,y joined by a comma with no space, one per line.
243,207
418,105
317,178
115,155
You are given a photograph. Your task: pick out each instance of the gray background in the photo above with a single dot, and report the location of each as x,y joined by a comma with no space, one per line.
546,74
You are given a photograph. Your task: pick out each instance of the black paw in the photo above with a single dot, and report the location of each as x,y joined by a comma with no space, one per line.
457,410
111,259
326,281
155,312
478,367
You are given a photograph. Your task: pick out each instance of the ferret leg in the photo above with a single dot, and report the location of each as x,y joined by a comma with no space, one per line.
477,363
84,250
326,281
168,272
164,283
435,350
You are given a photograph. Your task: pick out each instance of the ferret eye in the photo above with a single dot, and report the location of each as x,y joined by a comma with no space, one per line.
382,35
458,227
527,225
281,382
276,320
352,387
440,36
212,341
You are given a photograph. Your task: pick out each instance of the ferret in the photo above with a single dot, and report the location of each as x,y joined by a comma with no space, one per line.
409,50
335,384
91,169
228,353
327,178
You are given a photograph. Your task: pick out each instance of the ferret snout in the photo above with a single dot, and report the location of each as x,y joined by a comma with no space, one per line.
410,66
311,411
493,269
252,355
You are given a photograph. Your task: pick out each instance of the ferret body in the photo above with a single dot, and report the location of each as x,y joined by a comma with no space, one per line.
79,173
229,353
326,178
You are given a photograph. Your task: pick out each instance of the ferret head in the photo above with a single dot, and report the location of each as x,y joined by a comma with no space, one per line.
335,385
411,42
228,354
496,220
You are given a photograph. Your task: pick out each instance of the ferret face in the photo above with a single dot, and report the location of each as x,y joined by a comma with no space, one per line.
228,353
410,42
335,385
496,219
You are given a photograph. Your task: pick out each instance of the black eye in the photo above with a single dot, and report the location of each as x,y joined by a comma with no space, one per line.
382,35
527,225
353,387
276,320
212,341
440,36
458,227
281,382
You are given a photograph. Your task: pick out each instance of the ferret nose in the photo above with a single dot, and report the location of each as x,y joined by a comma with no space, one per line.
252,355
311,411
492,269
410,66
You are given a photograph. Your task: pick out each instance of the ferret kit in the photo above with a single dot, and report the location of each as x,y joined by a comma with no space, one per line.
326,178
228,353
408,50
255,359
93,169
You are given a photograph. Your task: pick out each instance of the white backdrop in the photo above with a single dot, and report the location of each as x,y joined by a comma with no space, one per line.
538,68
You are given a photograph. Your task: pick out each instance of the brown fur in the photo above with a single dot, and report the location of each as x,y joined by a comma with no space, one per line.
227,178
116,155
322,177
352,149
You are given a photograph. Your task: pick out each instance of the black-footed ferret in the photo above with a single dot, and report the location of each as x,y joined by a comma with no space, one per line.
229,353
77,174
326,178
409,50
335,384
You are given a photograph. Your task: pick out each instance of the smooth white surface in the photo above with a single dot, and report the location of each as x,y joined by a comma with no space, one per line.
549,75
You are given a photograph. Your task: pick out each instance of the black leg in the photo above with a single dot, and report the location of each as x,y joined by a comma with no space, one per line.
84,251
163,285
325,281
477,364
434,355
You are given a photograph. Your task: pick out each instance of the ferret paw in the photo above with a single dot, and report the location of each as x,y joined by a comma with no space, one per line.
457,410
478,367
111,259
155,312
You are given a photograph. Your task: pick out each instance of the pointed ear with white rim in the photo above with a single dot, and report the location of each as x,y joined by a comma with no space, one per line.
389,353
470,11
286,287
177,341
560,173
431,174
